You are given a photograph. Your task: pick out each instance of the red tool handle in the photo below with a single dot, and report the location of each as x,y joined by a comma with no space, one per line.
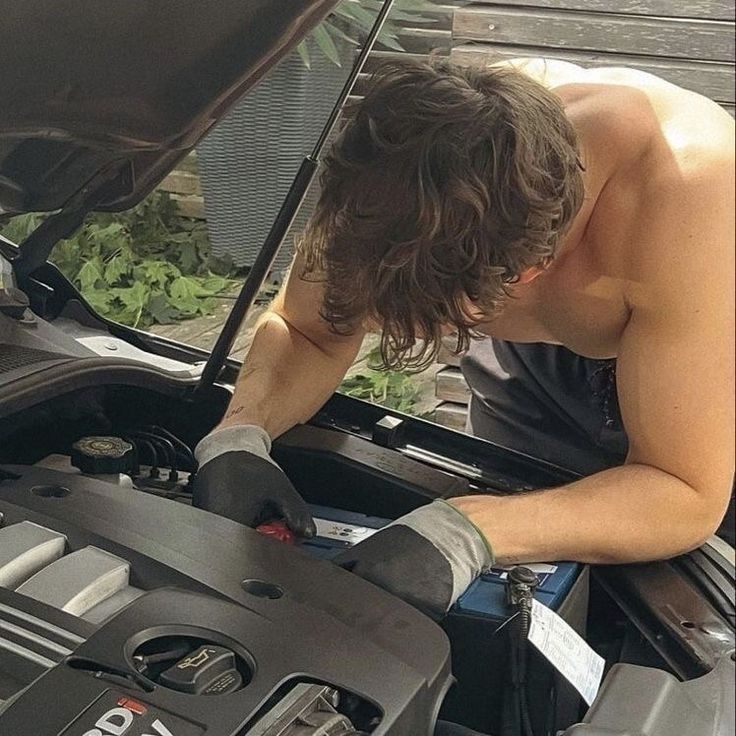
277,530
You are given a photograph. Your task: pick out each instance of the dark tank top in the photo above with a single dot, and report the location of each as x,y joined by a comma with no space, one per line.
546,401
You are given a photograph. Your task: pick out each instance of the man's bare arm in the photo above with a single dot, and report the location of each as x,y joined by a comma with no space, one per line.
675,383
294,364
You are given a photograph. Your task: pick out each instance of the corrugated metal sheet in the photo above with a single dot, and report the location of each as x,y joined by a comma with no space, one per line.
247,163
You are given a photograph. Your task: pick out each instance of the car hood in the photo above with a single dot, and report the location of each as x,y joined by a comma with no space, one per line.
101,98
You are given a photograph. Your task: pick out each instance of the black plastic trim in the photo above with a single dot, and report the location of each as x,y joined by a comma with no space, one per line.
81,373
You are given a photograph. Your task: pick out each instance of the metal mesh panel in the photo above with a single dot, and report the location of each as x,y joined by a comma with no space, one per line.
248,161
13,357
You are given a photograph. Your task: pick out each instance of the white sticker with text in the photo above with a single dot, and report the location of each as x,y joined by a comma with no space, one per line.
340,532
567,651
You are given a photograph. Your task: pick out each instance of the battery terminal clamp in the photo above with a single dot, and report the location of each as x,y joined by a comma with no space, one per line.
522,582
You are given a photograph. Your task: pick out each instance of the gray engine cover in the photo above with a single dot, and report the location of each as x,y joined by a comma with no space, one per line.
643,701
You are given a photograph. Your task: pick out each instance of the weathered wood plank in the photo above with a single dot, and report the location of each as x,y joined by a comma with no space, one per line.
709,40
181,182
426,41
452,416
379,57
702,9
432,14
710,78
189,205
188,163
452,386
446,356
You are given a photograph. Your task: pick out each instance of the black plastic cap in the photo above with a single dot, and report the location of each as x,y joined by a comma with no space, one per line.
102,455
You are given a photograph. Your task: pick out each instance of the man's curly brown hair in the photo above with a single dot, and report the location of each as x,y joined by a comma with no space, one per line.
446,184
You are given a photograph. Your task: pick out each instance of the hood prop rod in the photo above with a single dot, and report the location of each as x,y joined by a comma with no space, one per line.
289,208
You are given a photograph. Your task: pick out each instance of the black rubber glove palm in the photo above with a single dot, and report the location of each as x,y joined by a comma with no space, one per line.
427,557
238,479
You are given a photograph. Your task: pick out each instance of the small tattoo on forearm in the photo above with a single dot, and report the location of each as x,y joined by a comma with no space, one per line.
234,412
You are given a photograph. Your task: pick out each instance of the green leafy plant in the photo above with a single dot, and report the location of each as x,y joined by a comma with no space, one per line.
352,19
142,266
393,389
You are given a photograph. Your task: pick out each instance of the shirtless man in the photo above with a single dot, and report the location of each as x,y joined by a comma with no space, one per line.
584,219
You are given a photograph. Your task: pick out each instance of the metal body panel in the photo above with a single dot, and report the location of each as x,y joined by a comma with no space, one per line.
125,88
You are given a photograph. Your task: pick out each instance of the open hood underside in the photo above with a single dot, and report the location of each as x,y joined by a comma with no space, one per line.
100,99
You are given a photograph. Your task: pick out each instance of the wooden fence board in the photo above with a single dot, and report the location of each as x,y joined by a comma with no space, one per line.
452,416
703,9
452,386
189,205
182,182
709,40
709,78
425,41
188,163
446,354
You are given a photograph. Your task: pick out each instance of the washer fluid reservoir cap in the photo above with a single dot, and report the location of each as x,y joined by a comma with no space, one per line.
102,455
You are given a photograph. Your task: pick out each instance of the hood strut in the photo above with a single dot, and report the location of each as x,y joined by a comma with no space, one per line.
37,247
265,258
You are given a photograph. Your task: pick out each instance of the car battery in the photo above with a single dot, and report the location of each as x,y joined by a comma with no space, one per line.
486,597
476,626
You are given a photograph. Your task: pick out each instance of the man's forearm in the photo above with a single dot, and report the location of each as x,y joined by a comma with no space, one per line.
286,378
628,514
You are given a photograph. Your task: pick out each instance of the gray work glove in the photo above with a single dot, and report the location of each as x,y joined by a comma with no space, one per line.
237,478
428,557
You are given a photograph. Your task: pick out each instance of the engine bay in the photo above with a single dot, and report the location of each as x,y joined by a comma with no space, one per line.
125,610
210,622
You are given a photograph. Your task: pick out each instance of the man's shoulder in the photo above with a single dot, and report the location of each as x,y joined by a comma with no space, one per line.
682,233
681,150
635,108
668,206
689,161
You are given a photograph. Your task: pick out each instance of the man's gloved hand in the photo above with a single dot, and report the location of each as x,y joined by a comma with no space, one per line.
237,478
427,557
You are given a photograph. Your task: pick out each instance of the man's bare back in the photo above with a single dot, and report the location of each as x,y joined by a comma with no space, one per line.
640,138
